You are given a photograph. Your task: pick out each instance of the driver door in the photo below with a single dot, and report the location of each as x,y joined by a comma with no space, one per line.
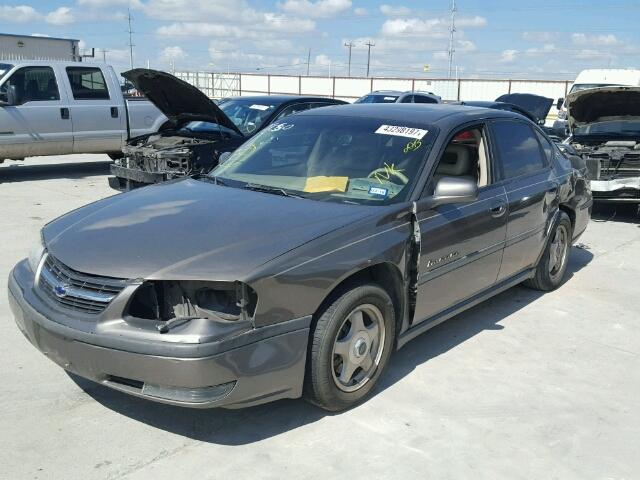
461,244
39,123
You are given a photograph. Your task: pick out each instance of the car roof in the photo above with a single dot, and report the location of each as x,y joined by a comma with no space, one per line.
426,113
284,98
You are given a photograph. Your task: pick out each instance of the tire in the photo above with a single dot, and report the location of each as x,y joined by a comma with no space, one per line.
115,155
349,347
552,266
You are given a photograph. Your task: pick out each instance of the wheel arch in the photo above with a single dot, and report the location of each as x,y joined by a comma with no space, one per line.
385,274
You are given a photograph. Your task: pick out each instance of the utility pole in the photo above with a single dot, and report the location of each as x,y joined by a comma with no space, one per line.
104,55
369,44
452,30
130,39
308,61
349,45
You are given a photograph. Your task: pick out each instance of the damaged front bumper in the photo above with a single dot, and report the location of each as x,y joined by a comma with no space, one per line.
257,366
621,190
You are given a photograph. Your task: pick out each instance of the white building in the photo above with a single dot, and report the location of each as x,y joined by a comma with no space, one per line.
26,47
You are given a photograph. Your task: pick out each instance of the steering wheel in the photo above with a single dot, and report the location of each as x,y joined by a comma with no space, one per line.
386,173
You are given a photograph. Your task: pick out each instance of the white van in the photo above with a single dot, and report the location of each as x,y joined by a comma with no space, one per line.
595,78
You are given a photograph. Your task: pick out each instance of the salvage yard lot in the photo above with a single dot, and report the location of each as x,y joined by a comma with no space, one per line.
523,386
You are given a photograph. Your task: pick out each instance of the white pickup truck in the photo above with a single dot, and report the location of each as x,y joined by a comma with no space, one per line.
58,108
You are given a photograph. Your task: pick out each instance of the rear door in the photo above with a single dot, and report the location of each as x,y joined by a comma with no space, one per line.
99,122
461,244
39,123
531,188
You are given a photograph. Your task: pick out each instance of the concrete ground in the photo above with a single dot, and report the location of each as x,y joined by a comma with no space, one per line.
525,386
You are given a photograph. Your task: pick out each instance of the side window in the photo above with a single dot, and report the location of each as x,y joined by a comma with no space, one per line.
87,83
32,84
423,99
547,148
518,148
291,109
321,104
407,99
464,156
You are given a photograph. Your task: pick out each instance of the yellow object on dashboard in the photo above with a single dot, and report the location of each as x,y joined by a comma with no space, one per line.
326,184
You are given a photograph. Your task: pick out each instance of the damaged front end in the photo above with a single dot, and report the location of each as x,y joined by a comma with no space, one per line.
605,132
164,156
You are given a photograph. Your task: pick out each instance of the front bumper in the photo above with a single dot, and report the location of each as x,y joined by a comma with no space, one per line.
255,367
125,178
621,190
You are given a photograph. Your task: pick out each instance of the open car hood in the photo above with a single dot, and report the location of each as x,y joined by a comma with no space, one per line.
537,106
601,104
178,100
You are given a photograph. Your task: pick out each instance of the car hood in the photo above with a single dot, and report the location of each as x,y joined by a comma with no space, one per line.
178,100
190,229
536,105
601,104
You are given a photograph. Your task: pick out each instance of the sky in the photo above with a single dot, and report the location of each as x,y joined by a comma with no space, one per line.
545,39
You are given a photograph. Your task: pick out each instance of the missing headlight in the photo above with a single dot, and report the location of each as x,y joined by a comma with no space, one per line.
166,300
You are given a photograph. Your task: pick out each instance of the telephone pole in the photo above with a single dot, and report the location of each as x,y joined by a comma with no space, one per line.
349,45
130,39
369,44
308,61
104,55
452,30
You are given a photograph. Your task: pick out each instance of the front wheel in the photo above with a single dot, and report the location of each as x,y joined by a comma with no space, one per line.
553,264
350,347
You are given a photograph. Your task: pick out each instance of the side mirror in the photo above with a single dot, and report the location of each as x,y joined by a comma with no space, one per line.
11,97
224,156
454,190
560,103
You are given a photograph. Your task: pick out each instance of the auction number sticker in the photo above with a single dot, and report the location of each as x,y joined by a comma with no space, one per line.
400,131
259,107
383,192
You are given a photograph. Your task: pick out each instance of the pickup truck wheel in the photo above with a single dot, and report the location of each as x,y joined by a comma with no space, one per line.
350,347
115,156
553,264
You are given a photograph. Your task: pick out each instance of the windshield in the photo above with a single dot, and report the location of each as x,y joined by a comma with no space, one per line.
208,127
332,158
378,99
618,128
4,68
248,115
586,86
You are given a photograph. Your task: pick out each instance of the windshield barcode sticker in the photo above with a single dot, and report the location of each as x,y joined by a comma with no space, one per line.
398,131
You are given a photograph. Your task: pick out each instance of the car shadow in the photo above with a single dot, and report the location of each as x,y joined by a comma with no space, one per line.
246,426
28,173
612,212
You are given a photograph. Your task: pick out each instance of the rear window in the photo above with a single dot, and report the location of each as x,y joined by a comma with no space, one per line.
87,83
518,148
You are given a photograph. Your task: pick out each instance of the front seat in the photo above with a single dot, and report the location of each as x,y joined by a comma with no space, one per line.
32,91
457,161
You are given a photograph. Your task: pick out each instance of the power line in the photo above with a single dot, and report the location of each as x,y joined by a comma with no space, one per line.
452,30
349,45
130,39
369,44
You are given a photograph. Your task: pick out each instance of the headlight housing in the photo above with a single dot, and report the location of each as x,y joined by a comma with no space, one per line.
35,254
166,300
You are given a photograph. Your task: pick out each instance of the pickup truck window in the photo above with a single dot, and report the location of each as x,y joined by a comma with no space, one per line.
32,84
87,83
518,149
4,68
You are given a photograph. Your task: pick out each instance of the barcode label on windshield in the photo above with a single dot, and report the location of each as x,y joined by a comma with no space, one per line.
399,131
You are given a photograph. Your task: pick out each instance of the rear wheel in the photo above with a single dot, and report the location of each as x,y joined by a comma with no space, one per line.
115,155
553,264
350,347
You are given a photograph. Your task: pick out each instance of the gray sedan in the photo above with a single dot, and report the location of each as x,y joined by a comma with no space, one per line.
303,261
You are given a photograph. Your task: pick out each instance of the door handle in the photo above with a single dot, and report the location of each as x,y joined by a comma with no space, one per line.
498,210
114,112
64,113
